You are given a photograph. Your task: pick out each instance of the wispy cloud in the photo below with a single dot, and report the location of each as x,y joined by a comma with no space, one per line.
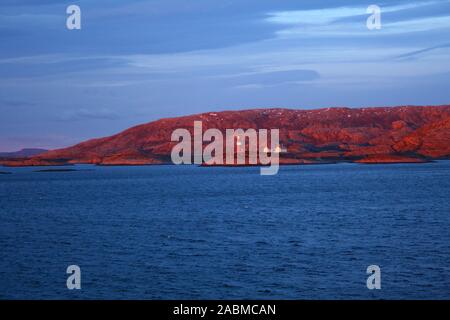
89,114
15,103
265,79
350,21
329,15
421,52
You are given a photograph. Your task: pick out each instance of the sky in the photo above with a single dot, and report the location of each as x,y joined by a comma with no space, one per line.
136,61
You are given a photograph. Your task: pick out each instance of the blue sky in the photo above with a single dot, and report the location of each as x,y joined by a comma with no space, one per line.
137,61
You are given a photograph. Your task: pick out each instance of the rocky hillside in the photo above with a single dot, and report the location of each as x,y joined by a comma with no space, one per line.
371,135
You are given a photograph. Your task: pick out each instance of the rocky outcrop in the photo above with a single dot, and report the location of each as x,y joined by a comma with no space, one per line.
367,135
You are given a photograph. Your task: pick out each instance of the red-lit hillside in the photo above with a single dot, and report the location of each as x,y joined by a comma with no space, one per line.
371,135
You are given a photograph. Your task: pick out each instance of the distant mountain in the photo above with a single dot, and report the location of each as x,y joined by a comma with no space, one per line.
29,152
369,135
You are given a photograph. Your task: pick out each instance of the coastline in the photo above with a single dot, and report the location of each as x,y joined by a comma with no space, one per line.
403,134
298,162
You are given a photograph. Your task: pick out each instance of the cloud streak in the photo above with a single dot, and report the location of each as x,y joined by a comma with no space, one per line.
89,114
350,21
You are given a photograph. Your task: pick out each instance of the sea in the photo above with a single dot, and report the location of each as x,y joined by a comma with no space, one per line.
190,232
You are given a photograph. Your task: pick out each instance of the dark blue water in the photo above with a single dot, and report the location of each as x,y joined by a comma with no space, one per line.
172,232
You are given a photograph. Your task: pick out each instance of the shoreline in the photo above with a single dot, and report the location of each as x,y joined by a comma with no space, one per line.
359,162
